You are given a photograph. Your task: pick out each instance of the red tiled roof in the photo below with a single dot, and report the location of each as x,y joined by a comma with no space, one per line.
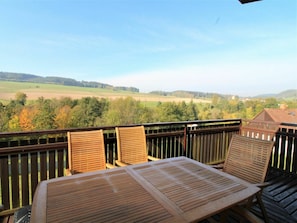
278,115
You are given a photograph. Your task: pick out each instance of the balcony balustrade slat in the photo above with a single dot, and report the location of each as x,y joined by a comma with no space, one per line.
205,154
207,140
294,159
110,147
275,152
5,182
34,171
218,148
60,164
212,145
52,164
25,181
282,150
162,145
289,151
43,167
15,183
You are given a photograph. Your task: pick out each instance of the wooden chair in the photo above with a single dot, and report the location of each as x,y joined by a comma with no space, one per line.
131,145
86,152
248,159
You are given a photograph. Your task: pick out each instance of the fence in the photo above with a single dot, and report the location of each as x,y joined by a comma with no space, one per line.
26,158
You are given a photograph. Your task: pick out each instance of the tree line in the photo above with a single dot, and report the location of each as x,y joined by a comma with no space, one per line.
20,114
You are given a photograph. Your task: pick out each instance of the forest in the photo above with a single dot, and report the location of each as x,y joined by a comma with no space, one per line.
19,114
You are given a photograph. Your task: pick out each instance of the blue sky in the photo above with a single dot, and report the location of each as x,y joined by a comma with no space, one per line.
217,46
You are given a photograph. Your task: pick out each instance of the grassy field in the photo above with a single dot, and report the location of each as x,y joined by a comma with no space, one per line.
35,90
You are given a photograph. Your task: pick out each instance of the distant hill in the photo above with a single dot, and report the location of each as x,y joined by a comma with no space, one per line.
285,95
21,77
190,94
288,94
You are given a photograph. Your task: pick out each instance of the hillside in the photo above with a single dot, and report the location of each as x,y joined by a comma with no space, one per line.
287,95
30,78
190,94
21,77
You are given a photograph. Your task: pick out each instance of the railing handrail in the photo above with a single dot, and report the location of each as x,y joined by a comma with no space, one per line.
31,148
57,131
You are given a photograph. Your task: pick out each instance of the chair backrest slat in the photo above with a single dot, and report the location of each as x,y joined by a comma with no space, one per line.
248,158
86,151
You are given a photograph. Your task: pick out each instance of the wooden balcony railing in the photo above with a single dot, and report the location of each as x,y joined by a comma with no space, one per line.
26,158
284,155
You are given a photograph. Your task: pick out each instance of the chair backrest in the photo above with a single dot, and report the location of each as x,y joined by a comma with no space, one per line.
248,158
131,144
86,151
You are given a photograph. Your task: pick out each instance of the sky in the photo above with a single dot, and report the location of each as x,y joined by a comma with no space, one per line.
214,46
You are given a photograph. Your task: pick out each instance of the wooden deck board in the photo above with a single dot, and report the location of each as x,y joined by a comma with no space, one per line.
280,197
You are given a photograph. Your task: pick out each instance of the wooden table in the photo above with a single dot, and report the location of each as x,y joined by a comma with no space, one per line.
169,190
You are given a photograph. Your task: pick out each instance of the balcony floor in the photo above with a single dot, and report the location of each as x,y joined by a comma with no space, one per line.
280,198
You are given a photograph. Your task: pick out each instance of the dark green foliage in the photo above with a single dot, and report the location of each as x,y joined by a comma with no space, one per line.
45,116
88,111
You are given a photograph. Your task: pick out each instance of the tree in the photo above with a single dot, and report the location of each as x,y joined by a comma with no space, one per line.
271,103
21,98
190,112
3,118
166,112
26,118
63,117
88,112
249,113
45,115
204,111
14,124
124,111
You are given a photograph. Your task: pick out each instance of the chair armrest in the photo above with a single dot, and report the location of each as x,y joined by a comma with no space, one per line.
218,166
217,162
262,185
110,166
119,163
152,158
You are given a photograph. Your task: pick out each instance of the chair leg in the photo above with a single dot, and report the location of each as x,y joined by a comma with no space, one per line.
245,215
223,217
261,204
